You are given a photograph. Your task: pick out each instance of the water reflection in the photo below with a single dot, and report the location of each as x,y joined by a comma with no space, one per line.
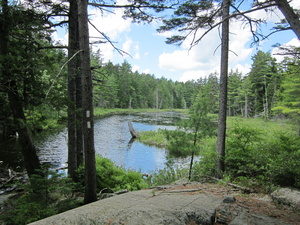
10,154
113,141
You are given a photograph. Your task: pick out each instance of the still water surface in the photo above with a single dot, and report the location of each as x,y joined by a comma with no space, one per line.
112,140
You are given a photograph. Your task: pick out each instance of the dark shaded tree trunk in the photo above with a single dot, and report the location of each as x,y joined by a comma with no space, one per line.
290,15
220,148
31,160
79,128
87,103
72,76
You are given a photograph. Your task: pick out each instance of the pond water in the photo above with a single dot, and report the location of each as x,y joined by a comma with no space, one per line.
112,141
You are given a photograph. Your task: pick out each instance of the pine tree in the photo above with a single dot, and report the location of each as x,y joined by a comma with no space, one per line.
290,96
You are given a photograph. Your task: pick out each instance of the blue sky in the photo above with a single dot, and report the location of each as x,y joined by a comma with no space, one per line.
150,54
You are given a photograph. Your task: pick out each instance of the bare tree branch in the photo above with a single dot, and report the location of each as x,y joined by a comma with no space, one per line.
121,52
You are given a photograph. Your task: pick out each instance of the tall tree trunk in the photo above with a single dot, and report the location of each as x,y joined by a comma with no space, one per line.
87,103
75,132
191,165
290,15
31,160
79,123
220,148
156,98
246,105
72,74
266,108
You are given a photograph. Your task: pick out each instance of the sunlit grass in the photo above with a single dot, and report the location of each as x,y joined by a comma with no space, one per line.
268,129
156,138
101,112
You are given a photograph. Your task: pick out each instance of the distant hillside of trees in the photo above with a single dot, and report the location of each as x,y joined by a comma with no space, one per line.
270,89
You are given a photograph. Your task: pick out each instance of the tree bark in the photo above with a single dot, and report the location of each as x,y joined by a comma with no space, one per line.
220,148
131,130
72,74
31,160
87,103
246,105
290,15
79,123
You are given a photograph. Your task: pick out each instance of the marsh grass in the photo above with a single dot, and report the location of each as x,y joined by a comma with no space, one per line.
257,152
102,112
268,128
153,138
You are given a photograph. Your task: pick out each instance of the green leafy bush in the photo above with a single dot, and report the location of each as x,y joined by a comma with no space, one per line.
115,178
167,176
42,198
244,155
206,165
156,138
266,159
284,160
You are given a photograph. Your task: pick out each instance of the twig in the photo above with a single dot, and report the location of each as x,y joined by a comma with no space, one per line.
244,189
61,71
182,190
121,52
9,180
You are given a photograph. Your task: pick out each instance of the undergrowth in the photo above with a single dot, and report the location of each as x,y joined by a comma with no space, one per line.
258,154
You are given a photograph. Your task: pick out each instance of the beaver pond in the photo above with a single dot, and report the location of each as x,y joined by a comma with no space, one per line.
112,141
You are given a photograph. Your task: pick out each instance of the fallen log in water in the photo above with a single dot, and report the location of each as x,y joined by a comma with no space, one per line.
132,131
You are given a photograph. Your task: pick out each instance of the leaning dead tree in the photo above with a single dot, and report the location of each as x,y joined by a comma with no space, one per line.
131,130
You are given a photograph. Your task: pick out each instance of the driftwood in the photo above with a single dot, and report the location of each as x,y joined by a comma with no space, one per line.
131,130
182,190
61,168
244,189
160,187
7,181
121,192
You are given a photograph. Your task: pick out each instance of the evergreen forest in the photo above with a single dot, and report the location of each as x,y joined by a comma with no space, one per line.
45,84
268,91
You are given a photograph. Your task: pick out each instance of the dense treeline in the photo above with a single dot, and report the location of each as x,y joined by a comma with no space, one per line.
266,91
117,86
270,89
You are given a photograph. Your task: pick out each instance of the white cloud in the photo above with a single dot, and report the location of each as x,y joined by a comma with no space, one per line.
127,46
146,71
131,48
135,68
138,68
204,58
137,52
295,4
294,42
196,74
60,37
112,25
244,69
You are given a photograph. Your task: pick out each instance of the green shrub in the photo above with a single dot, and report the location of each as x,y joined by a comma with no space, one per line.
206,165
284,159
42,198
115,178
244,155
267,159
29,209
167,175
156,138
